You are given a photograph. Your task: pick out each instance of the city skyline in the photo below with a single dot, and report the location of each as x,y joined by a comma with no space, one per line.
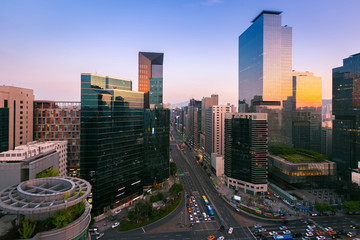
48,43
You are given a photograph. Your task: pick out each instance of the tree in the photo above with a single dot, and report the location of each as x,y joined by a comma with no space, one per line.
62,218
49,172
173,168
27,229
352,206
175,189
323,207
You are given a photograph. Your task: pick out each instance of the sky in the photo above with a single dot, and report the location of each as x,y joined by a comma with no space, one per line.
46,45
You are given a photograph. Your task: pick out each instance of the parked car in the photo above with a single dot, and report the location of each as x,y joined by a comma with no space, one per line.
230,230
257,226
115,225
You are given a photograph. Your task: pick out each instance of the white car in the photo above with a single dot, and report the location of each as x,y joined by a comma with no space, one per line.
273,233
309,234
115,225
282,228
287,232
197,220
118,211
221,238
257,226
195,213
309,230
328,229
191,218
262,230
230,230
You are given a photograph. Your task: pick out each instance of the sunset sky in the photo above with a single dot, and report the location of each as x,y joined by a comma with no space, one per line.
46,45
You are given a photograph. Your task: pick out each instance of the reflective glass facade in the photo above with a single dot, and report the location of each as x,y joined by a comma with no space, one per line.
306,123
4,129
265,65
246,147
150,77
112,125
346,108
156,145
156,91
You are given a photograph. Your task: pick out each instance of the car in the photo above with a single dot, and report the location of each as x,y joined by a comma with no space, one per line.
195,204
197,210
222,228
191,219
309,234
328,229
237,210
350,234
297,235
257,226
118,211
195,213
210,237
273,233
221,238
320,237
282,228
258,234
287,232
353,226
262,230
320,233
197,220
115,225
205,217
230,230
189,210
100,235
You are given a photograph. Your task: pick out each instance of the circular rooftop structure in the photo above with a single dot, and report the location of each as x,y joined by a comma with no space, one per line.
43,196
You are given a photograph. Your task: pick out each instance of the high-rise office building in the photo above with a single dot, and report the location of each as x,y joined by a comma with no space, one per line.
112,140
156,145
4,129
58,121
265,65
346,108
246,150
193,120
215,129
206,102
151,77
19,101
306,122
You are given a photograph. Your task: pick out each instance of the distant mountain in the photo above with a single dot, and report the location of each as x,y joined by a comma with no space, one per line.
180,105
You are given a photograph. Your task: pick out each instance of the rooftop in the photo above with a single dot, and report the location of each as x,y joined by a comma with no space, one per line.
266,12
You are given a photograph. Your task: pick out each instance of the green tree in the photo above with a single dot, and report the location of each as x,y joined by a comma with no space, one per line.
323,207
27,228
62,218
352,206
49,172
173,169
175,189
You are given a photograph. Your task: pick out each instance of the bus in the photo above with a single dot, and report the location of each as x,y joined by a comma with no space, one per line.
211,212
205,200
282,237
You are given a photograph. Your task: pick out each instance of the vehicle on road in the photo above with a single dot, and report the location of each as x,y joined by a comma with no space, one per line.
211,212
350,234
309,234
282,228
205,217
282,237
210,237
230,230
287,232
257,226
118,211
100,235
262,230
237,210
115,225
221,238
273,233
328,229
197,220
205,200
320,237
320,233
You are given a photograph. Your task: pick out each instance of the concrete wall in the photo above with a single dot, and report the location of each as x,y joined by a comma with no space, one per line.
217,162
40,165
10,174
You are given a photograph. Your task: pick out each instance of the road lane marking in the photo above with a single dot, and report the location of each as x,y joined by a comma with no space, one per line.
143,229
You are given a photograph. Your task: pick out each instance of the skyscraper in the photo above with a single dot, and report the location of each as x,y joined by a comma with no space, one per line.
156,145
19,102
58,121
4,129
265,65
112,138
215,129
193,123
346,108
151,77
306,123
246,150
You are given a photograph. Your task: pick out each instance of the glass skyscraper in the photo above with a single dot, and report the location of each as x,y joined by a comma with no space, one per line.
156,145
246,151
151,77
4,129
346,108
306,123
265,68
112,138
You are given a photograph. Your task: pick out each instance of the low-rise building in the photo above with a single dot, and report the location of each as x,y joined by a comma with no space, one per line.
301,171
26,161
355,176
217,164
39,199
